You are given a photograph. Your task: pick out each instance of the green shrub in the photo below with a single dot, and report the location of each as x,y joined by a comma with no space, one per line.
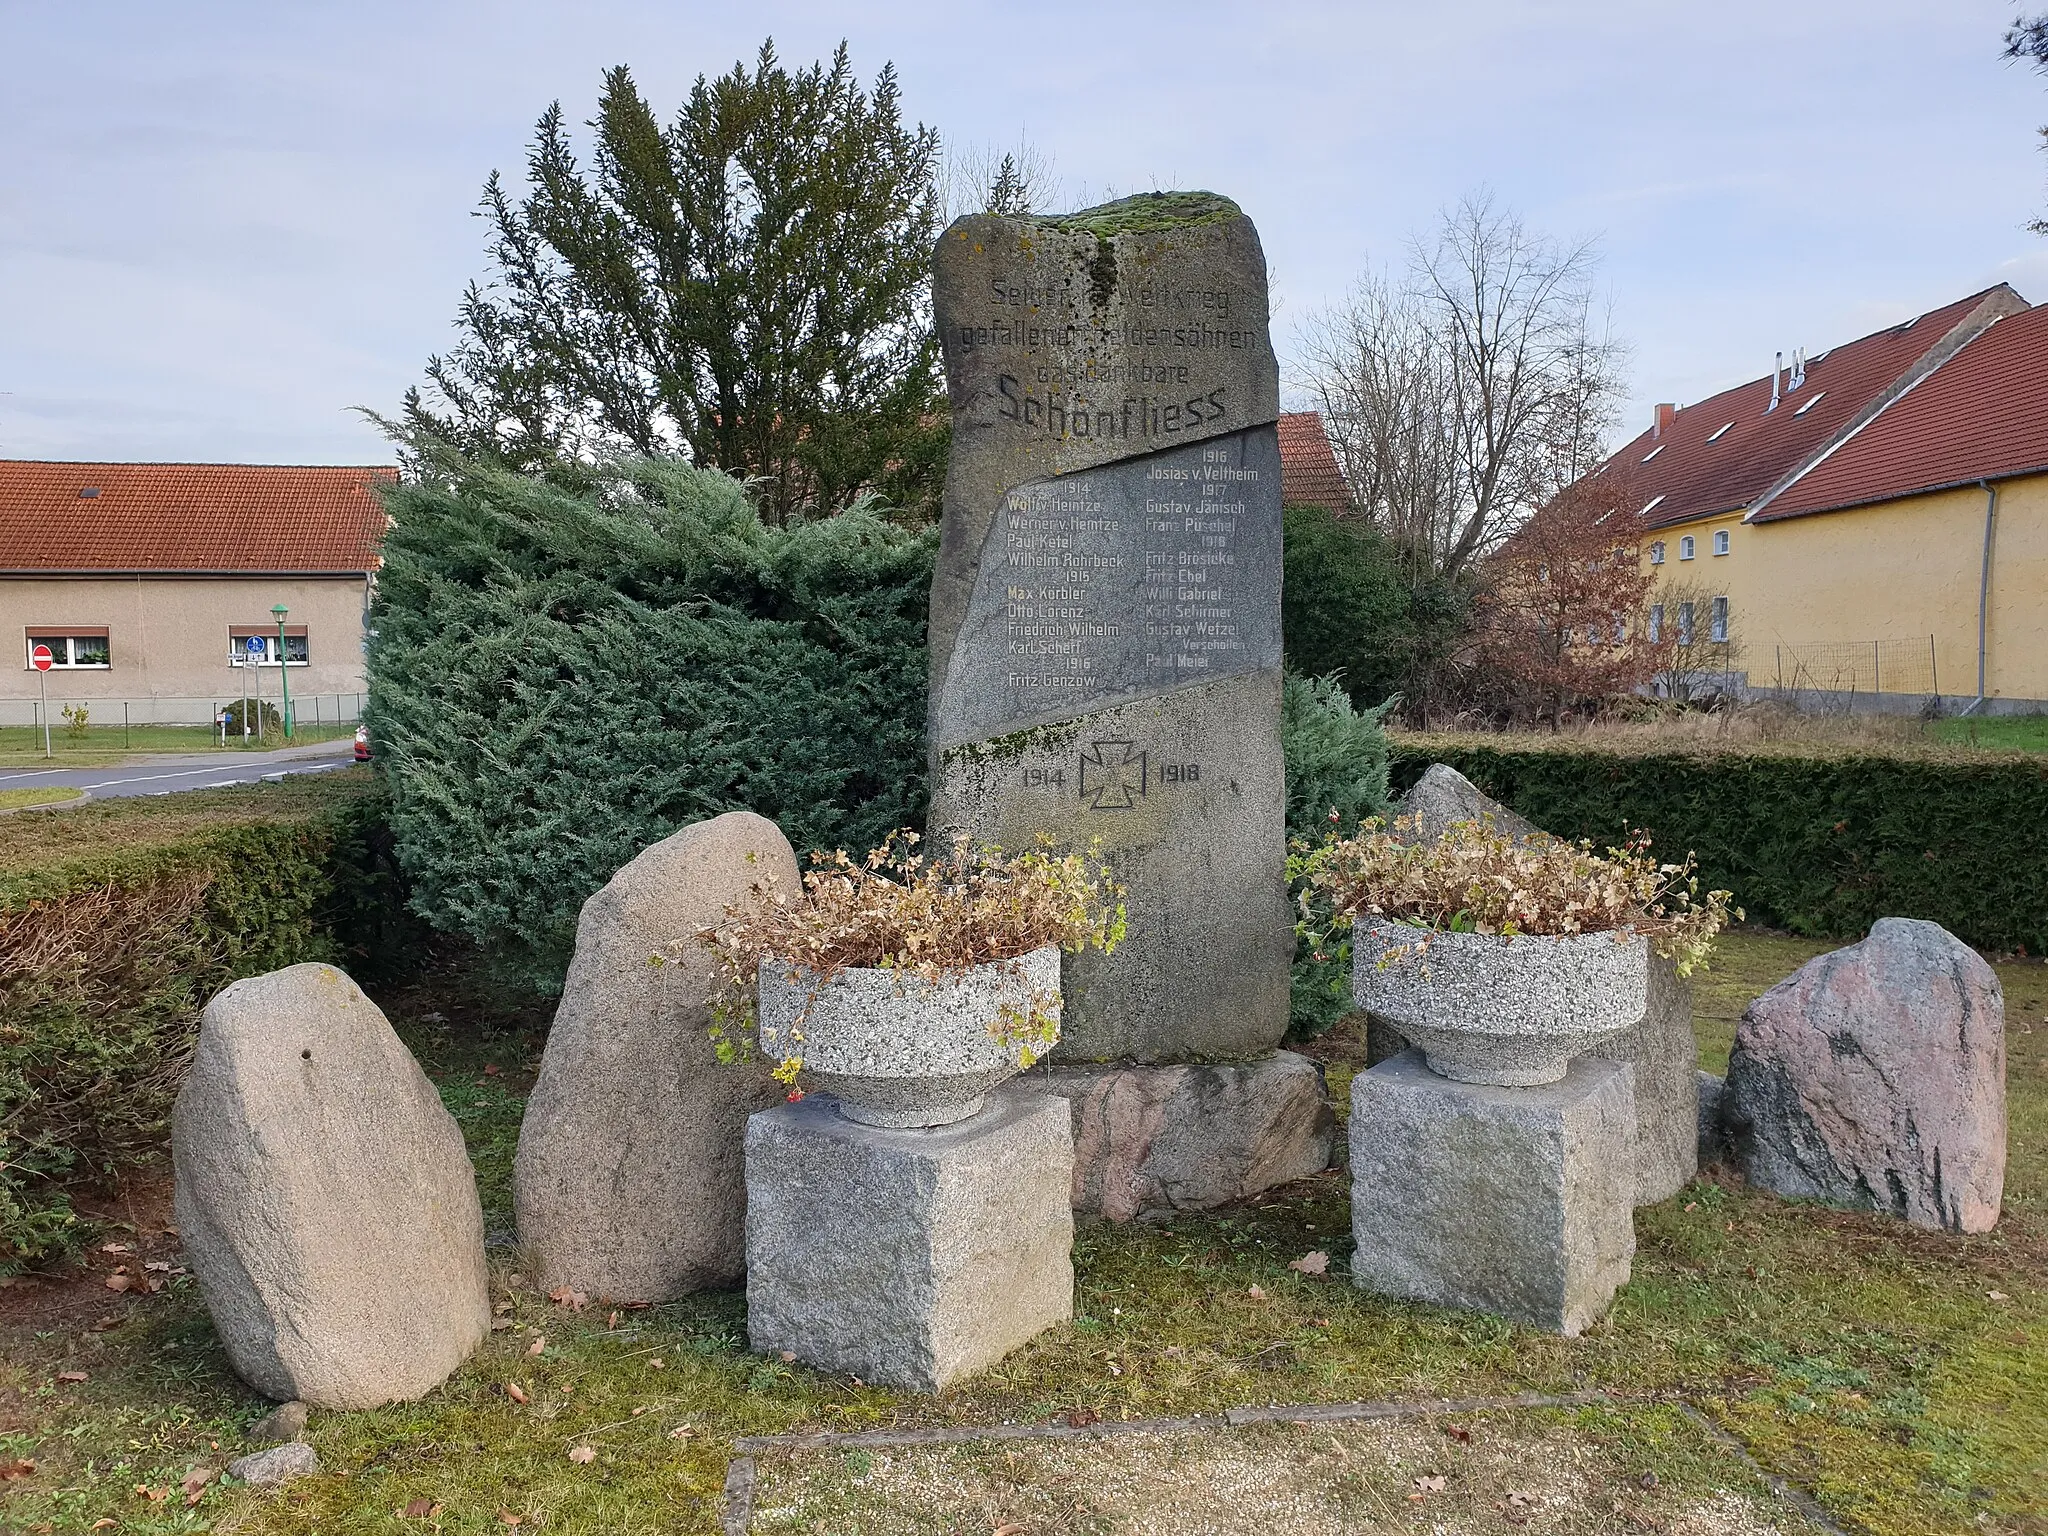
1336,778
117,922
561,676
1822,845
1350,608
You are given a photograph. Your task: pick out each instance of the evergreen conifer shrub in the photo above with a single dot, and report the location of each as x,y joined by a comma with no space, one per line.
563,674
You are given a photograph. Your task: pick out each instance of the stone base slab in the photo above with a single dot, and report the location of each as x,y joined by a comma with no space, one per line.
1192,1136
908,1258
1513,1201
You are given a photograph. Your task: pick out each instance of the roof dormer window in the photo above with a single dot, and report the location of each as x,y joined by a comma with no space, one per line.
1721,431
1653,453
1651,505
1816,400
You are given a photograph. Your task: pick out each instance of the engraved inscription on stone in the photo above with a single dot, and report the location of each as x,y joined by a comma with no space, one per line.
1119,582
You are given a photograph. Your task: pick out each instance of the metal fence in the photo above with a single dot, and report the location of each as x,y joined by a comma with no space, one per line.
131,719
1841,670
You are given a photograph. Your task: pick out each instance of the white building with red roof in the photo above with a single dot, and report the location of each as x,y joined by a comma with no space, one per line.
147,582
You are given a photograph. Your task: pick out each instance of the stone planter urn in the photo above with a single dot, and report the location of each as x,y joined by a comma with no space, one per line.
1512,1012
902,1052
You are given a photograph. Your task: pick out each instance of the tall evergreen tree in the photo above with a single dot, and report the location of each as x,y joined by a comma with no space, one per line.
749,285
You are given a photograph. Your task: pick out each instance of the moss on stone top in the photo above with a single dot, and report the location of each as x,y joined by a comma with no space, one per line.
1146,213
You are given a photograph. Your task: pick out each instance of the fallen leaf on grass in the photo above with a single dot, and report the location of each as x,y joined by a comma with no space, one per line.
1997,1296
1315,1262
1429,1485
509,1518
154,1495
13,1471
498,1323
115,1248
120,1282
1531,1501
514,1391
612,1321
490,1069
195,1483
1255,1293
102,1523
109,1321
681,1432
159,1265
562,1296
583,1455
657,1365
1081,1418
1009,1528
421,1509
72,1376
1459,1433
540,1342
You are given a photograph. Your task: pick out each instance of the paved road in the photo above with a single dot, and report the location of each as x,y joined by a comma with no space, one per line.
162,774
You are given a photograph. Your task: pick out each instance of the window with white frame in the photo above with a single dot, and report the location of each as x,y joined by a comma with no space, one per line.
1656,623
72,647
1720,541
1685,547
1657,553
264,651
1719,623
1685,623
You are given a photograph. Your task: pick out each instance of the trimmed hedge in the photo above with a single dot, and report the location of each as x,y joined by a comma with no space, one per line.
561,676
118,922
1819,845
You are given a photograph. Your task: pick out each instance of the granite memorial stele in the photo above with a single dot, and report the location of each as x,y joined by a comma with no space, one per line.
1105,619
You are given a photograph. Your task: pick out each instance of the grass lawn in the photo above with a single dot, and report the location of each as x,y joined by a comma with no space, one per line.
2013,733
100,742
22,799
1899,1376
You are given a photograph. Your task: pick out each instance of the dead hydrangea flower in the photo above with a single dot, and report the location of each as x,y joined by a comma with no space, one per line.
1477,879
933,916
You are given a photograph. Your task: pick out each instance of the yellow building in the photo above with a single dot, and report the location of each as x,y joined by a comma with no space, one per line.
1868,526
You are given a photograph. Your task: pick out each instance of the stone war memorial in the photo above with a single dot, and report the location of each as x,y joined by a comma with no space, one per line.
1105,641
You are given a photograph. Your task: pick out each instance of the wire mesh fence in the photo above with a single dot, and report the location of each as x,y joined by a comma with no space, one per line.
1846,668
168,723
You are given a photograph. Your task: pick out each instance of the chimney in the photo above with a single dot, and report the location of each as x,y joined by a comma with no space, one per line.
1777,375
1664,414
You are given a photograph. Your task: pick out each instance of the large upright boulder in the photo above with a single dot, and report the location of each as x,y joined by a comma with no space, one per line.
630,1181
1874,1078
326,1203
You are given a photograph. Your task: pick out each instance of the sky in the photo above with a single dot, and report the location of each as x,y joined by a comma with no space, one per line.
225,226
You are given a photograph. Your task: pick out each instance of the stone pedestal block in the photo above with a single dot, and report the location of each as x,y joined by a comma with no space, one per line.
909,1258
1514,1201
1191,1137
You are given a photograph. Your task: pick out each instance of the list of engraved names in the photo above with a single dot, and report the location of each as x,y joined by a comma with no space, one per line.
1128,577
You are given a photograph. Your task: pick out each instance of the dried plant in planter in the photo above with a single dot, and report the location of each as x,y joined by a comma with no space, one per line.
1476,879
931,916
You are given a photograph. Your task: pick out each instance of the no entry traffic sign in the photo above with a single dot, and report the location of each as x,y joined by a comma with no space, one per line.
42,658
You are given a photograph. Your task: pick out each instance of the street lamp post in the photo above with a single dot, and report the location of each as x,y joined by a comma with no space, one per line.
283,665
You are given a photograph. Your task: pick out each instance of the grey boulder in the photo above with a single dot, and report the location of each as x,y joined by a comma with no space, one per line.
1666,1055
327,1206
1443,796
279,1464
1193,1136
1874,1078
284,1423
630,1179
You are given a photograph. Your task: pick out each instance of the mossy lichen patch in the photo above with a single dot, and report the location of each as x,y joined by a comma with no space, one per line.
1147,213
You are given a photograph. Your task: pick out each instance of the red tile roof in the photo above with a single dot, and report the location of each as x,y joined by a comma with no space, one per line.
189,517
1309,476
1690,477
1981,415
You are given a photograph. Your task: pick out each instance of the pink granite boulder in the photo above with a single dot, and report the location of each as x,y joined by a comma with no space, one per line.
1874,1078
